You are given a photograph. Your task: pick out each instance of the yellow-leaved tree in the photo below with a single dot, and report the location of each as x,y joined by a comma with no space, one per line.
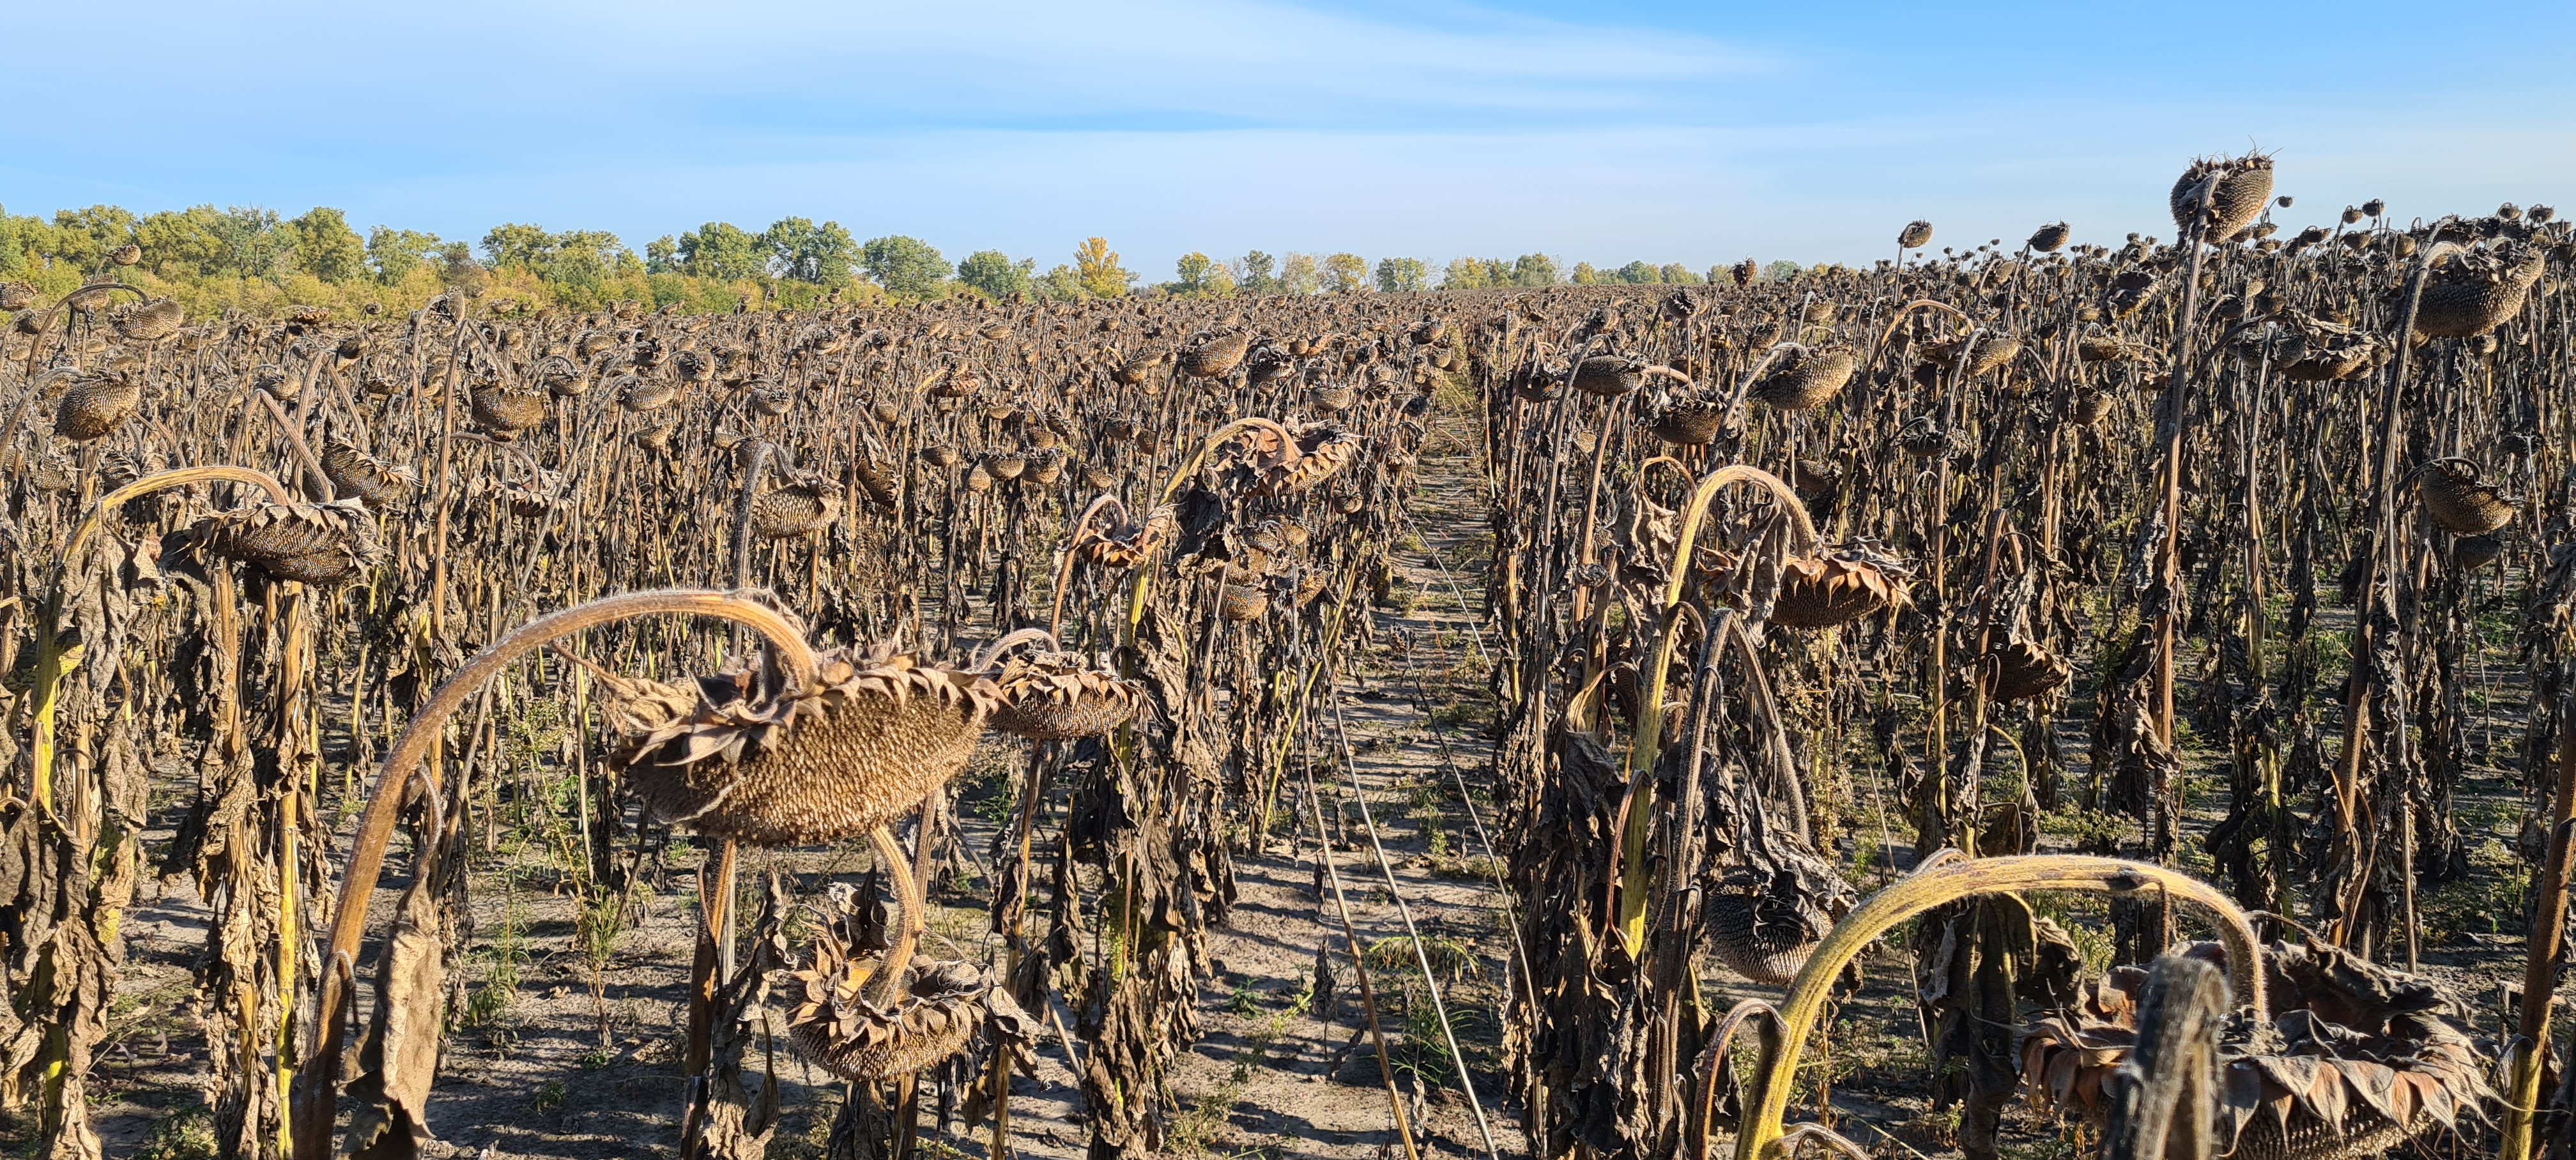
1346,273
1097,266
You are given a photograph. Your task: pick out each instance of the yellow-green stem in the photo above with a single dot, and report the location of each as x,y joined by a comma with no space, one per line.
1946,878
1647,744
54,661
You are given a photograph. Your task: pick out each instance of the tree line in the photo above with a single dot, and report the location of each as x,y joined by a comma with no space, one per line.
255,259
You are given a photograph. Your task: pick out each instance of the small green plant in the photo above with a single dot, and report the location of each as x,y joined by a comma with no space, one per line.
549,1097
1194,1130
2088,829
810,1138
188,1134
1453,959
1865,857
501,962
2088,928
1431,820
599,924
1465,715
2333,649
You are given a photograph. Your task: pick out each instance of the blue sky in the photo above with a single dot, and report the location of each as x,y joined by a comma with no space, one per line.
1699,133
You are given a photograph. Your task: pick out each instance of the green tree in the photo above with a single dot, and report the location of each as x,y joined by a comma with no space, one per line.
81,237
806,252
13,247
1641,273
200,241
1586,275
1196,275
1298,275
1461,274
1257,277
662,255
251,240
1679,275
461,273
1399,275
1097,265
908,268
1346,273
1061,284
184,243
396,253
1532,270
516,245
585,261
1781,271
723,251
993,274
577,264
33,237
326,247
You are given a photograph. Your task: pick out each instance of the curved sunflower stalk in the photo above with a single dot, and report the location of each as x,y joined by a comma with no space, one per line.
1120,543
55,656
87,820
317,1087
81,825
290,428
1946,878
1637,808
1718,1099
799,747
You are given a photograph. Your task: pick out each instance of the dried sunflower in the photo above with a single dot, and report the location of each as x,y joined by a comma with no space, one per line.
1057,696
2470,292
1767,916
800,508
1807,378
2355,1060
735,756
1125,545
96,405
355,473
1838,586
1216,356
2024,670
1283,461
314,543
842,1022
2457,500
503,410
2237,189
